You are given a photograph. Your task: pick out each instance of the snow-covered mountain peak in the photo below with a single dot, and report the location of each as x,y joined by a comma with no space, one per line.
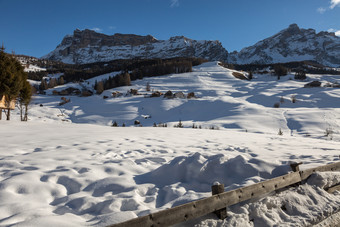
292,44
87,46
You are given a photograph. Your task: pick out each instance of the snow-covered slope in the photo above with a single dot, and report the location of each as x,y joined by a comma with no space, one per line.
55,172
29,63
88,46
292,44
223,101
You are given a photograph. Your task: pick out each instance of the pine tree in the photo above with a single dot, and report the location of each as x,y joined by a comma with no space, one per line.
12,78
52,83
100,87
61,80
24,99
43,85
280,70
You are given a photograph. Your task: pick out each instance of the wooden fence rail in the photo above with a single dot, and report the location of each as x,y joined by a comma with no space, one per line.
217,202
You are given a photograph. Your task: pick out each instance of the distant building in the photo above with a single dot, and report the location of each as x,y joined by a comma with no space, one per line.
4,105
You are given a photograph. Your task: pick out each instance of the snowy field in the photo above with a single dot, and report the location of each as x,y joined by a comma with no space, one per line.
67,167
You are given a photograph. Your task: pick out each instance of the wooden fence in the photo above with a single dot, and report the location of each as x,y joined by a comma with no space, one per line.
218,202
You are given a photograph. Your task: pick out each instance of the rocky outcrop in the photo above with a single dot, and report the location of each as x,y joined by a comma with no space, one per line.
292,44
88,46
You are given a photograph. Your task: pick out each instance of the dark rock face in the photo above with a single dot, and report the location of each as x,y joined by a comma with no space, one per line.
88,46
292,44
85,38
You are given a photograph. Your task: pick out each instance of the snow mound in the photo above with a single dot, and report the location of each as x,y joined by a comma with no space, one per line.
198,172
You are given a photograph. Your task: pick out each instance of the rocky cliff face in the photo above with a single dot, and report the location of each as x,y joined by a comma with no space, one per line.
88,46
292,44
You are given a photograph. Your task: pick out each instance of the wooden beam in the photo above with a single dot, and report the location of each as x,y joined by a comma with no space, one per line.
330,167
211,204
222,200
218,189
295,166
333,188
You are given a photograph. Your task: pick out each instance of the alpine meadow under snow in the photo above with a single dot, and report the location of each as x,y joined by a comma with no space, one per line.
67,166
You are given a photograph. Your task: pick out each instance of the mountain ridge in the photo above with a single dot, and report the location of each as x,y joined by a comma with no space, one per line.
88,46
288,45
292,44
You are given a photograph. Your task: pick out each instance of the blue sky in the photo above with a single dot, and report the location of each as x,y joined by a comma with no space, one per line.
36,27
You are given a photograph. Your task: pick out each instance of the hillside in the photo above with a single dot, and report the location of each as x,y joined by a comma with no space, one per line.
67,166
228,103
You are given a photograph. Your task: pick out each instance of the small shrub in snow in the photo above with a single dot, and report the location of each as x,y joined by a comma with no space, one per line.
214,127
293,98
154,125
191,95
282,100
277,105
329,133
114,124
161,125
301,75
280,133
179,125
148,87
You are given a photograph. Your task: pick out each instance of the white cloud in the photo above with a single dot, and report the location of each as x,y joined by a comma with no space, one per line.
97,29
337,32
174,3
334,3
321,10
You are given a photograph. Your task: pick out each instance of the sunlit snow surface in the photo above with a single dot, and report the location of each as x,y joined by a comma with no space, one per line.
67,167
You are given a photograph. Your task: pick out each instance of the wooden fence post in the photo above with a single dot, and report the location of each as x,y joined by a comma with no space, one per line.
218,189
295,166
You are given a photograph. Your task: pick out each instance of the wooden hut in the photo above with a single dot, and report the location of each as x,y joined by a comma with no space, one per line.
5,105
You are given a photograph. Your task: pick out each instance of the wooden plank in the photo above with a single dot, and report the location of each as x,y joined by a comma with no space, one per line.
330,167
211,204
268,186
217,202
333,188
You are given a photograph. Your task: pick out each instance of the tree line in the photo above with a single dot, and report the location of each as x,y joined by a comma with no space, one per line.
76,73
310,67
157,69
